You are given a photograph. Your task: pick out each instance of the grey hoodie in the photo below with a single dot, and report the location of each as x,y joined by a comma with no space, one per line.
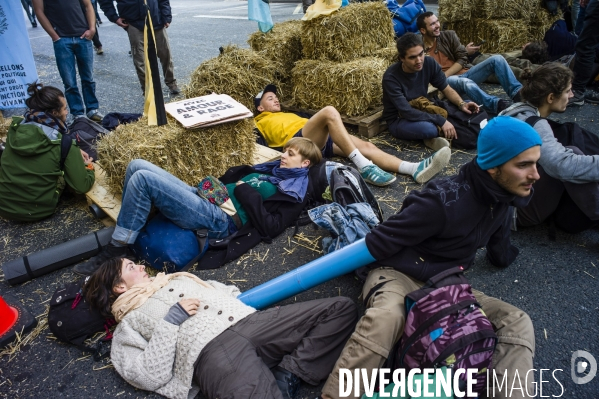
558,161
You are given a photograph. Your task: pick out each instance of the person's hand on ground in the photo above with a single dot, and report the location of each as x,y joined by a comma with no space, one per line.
190,305
449,131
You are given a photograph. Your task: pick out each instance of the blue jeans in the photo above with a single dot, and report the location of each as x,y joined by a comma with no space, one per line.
68,51
145,185
467,83
413,130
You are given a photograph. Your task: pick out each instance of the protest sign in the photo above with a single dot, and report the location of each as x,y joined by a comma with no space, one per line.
207,110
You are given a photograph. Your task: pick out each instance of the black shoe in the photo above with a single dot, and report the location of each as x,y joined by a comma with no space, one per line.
34,24
502,104
287,382
592,96
578,98
110,251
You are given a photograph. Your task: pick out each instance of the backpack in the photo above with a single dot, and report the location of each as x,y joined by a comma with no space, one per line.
72,320
571,134
86,133
467,126
445,326
348,187
167,247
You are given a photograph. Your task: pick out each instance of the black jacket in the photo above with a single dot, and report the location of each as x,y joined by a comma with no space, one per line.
266,219
134,12
444,224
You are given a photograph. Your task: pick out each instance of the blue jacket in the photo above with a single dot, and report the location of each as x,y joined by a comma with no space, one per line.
134,12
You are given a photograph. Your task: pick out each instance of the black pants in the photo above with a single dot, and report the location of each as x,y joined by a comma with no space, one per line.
574,206
305,338
585,46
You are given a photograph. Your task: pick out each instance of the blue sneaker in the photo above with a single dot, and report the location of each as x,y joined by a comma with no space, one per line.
376,176
432,165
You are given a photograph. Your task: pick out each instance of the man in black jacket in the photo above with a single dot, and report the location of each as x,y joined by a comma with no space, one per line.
131,16
264,200
443,226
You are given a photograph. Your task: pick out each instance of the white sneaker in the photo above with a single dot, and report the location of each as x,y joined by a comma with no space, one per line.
436,144
432,165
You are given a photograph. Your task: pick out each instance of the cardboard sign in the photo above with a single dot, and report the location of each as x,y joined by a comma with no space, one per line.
207,110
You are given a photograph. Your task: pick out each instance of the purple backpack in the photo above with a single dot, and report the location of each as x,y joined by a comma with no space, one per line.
445,326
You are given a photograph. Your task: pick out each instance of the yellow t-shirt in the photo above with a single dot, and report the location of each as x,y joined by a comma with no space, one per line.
278,127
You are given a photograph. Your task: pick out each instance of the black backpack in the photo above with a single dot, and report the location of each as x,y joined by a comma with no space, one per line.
570,133
348,187
71,320
86,134
467,126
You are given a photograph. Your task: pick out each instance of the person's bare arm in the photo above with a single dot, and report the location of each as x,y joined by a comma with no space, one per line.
91,20
38,6
455,68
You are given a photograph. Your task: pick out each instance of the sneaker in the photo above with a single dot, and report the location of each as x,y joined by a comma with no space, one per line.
99,50
95,115
174,90
436,144
432,165
287,382
108,252
376,176
592,96
578,98
502,104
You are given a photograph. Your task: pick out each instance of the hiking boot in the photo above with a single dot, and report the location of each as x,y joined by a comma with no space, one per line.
592,96
108,252
577,100
432,165
436,144
99,51
374,175
287,382
174,90
95,115
502,104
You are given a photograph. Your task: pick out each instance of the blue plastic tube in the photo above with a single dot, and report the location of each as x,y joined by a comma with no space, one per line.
310,275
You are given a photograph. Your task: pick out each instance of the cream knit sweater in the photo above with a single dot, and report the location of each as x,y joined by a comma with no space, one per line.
154,355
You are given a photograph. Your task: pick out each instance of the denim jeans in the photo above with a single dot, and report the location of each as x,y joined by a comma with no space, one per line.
585,47
70,51
413,130
467,83
146,185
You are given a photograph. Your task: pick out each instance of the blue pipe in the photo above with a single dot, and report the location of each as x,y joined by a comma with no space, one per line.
309,275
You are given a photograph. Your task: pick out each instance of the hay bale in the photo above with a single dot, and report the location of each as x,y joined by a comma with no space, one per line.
460,10
540,23
514,9
240,73
189,154
282,45
501,35
355,31
388,54
351,87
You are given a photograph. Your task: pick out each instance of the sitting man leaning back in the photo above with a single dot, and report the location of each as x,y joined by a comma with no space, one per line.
325,128
443,226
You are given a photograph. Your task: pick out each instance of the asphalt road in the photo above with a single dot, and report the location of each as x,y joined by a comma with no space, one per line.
555,282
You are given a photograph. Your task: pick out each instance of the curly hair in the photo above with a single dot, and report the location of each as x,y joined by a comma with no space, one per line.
44,98
550,77
536,52
99,289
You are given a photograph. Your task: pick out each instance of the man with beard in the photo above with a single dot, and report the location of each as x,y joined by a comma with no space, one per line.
443,226
452,56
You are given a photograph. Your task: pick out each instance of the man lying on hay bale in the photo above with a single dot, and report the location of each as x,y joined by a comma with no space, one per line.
446,49
326,130
267,197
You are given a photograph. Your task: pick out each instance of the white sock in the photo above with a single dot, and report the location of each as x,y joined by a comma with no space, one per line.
408,168
359,160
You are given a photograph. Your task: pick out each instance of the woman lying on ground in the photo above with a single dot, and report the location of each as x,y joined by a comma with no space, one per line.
178,334
32,176
268,198
568,189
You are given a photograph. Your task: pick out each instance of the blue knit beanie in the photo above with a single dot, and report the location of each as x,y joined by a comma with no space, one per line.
502,139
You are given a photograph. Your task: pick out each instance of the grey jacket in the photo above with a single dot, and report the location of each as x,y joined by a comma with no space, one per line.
558,161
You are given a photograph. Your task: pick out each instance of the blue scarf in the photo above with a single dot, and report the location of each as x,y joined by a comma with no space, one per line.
290,181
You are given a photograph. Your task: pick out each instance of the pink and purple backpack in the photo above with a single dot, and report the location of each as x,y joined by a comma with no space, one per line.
445,326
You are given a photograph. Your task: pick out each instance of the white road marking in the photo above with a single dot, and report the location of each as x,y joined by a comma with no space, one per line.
298,9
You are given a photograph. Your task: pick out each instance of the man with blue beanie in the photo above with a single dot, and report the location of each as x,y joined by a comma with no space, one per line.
440,227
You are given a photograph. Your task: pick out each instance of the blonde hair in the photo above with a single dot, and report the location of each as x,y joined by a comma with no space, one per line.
306,148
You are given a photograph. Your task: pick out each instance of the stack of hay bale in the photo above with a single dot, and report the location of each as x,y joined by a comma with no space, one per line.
336,60
505,24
